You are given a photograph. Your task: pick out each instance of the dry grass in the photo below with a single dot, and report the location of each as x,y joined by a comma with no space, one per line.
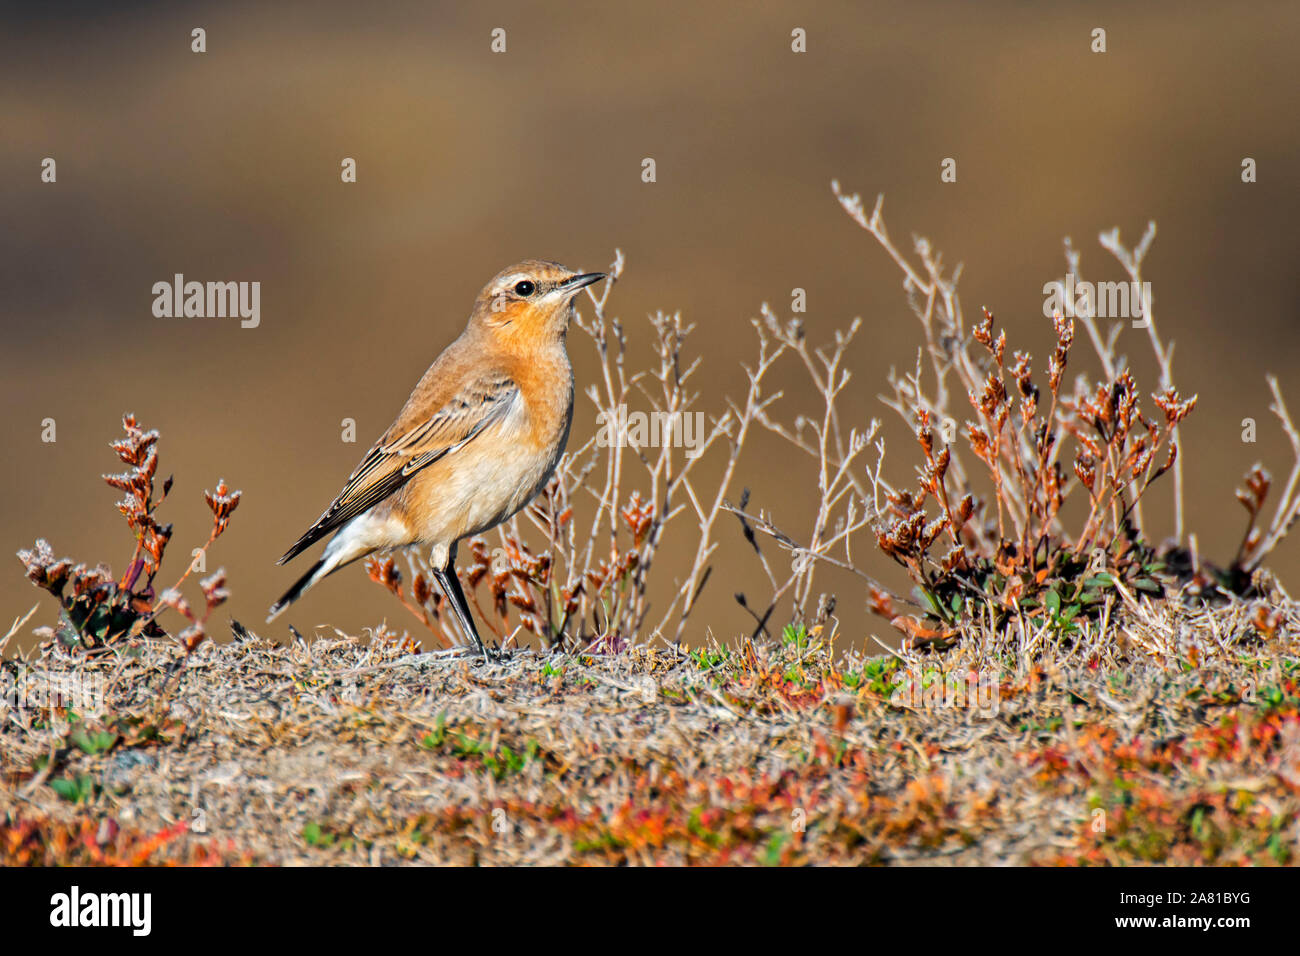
353,751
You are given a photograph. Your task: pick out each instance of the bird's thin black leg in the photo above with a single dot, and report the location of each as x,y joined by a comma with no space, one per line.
450,584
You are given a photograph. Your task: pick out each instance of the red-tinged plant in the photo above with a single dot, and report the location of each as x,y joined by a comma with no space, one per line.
1005,545
426,603
95,608
1001,544
41,841
984,532
1010,549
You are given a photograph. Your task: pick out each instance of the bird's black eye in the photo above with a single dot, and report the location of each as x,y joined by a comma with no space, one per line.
525,288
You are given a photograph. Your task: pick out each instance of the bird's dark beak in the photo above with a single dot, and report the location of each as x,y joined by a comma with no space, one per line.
574,283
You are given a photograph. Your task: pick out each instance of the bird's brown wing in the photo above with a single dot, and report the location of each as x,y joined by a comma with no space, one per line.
400,453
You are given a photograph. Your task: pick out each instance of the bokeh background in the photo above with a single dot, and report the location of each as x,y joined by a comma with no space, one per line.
225,165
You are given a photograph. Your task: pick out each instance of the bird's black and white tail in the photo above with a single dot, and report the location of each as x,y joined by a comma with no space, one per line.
314,574
347,546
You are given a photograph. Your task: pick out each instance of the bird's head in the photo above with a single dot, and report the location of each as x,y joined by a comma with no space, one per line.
532,299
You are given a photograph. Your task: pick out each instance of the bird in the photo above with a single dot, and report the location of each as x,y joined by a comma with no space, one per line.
477,440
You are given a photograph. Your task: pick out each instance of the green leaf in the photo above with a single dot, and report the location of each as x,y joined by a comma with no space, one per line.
772,854
92,743
81,790
315,836
65,788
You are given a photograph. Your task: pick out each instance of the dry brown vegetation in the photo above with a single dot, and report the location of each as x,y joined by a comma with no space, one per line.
95,609
1066,689
355,751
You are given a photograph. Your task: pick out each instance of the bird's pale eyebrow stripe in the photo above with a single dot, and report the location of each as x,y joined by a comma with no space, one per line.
544,283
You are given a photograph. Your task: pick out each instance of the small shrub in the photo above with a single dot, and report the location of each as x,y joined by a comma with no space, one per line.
983,534
97,610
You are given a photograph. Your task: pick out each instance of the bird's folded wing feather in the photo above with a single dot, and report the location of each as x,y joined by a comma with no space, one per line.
401,452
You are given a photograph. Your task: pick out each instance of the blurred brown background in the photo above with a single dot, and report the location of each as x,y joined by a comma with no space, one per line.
225,166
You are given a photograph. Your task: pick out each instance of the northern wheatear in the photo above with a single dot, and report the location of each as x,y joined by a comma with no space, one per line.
476,441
